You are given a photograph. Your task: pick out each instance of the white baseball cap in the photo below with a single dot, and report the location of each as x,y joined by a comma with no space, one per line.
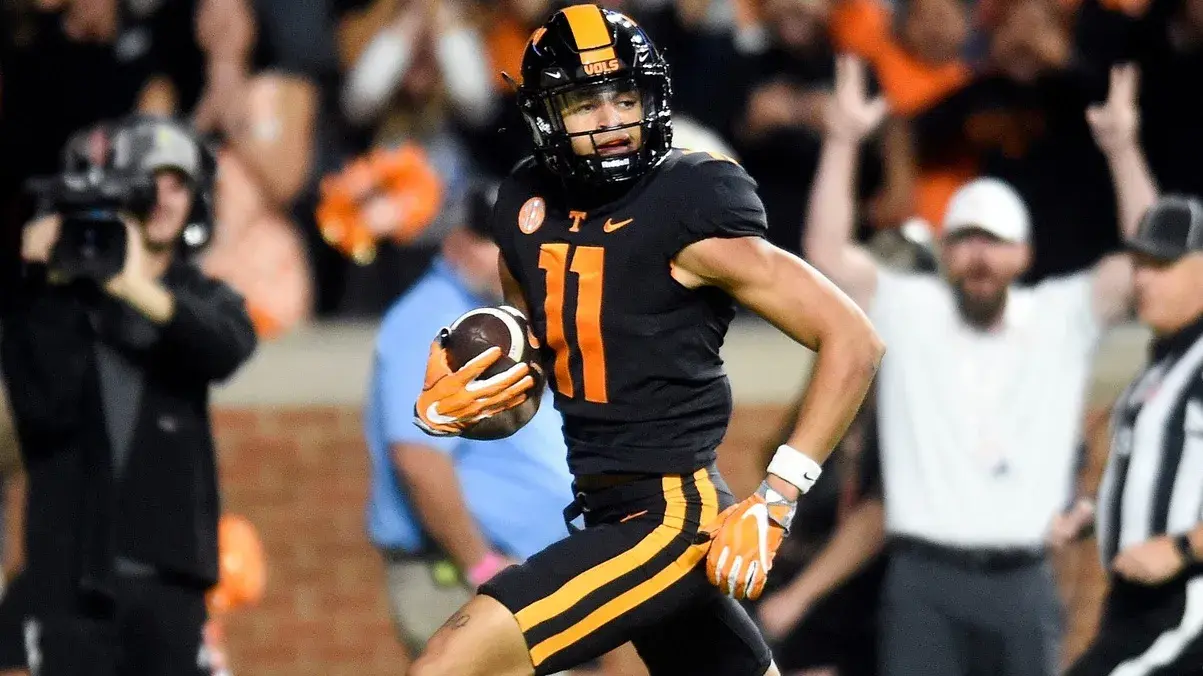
989,205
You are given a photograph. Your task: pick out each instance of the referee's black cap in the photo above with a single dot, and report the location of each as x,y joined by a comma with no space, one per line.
1170,229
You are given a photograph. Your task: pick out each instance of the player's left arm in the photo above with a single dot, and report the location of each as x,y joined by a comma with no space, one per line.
512,293
809,308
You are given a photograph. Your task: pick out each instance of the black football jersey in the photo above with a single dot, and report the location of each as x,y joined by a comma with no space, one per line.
631,355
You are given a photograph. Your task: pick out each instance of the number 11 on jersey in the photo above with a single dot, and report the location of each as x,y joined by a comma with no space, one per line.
587,263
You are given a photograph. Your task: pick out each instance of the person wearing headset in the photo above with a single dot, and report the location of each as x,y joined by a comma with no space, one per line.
109,369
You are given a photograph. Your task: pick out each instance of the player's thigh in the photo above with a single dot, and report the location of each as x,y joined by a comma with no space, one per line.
162,632
480,639
597,589
712,634
496,632
420,602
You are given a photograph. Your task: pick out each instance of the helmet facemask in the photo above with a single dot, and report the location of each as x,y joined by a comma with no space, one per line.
650,132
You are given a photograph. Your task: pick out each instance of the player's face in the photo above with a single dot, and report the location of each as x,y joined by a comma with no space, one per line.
603,119
1167,292
171,210
981,267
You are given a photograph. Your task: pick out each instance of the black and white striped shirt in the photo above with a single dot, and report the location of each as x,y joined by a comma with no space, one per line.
1153,484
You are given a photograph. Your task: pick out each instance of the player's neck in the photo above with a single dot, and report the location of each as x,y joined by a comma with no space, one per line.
592,197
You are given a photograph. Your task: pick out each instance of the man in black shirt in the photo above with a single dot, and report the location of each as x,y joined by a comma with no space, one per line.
109,381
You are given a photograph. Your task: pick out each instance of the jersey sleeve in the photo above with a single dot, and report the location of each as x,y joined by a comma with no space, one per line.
720,200
512,194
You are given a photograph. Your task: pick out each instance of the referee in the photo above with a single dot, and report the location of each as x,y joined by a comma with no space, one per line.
1149,522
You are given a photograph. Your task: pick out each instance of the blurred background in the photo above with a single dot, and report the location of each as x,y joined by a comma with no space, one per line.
350,131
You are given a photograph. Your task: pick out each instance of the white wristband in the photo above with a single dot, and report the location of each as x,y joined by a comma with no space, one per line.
794,467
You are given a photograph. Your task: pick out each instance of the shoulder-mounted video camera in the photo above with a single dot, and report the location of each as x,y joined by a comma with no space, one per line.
109,175
92,238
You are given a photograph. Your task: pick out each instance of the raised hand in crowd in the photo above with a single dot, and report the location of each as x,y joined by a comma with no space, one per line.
851,114
225,30
1116,122
1116,127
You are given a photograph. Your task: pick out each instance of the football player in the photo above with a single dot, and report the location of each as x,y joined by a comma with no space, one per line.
629,256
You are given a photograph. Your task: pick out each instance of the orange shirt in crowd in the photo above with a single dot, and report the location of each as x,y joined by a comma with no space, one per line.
864,27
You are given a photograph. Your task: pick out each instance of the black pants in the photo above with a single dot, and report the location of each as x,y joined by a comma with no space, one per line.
1148,631
154,629
637,573
943,615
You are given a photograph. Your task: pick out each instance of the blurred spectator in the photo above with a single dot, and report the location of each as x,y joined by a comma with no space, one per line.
258,252
506,25
12,590
420,79
1164,38
107,376
704,54
1021,121
917,56
70,63
979,404
458,50
779,130
449,512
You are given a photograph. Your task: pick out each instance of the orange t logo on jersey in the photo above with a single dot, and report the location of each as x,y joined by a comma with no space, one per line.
577,217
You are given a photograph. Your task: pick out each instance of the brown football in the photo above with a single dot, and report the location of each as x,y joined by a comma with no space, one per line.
478,330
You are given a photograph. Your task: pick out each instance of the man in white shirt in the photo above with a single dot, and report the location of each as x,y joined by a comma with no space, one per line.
979,401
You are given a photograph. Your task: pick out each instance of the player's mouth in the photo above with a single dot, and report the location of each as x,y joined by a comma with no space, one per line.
615,146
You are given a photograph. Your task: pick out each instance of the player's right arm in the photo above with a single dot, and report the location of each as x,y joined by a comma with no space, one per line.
827,243
424,465
510,288
524,412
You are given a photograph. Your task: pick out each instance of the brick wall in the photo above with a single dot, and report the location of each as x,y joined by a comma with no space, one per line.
301,475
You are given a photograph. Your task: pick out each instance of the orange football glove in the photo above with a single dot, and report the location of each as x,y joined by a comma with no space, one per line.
451,401
745,540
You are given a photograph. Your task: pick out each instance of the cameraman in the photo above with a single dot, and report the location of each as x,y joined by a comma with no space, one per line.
109,379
